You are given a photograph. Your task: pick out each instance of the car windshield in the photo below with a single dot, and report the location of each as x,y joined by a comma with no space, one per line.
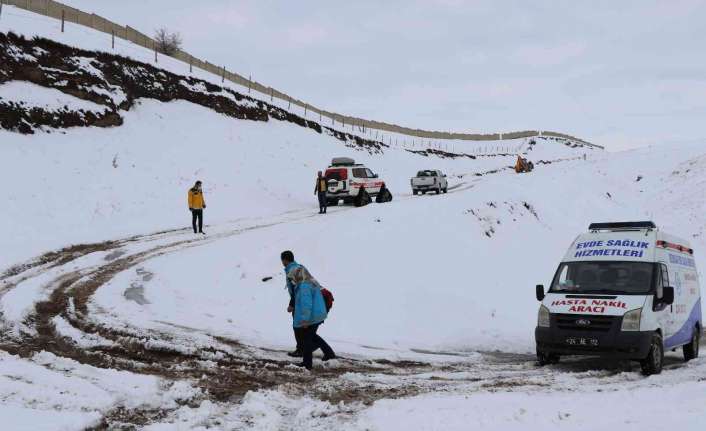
604,277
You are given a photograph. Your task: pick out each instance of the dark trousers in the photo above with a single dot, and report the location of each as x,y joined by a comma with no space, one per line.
310,341
297,338
197,215
322,202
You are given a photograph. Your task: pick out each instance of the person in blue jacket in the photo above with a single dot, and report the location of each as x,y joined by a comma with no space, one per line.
309,310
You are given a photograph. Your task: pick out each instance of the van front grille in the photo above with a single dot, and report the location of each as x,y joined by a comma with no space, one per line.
584,322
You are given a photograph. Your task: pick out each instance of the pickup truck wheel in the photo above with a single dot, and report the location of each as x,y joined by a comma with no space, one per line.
414,192
446,189
652,364
691,350
438,191
547,358
424,192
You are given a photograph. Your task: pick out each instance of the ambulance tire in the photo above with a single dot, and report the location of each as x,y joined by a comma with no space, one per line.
691,350
652,364
547,358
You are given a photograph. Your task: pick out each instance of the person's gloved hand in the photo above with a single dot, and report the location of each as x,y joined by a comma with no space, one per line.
191,209
290,309
204,206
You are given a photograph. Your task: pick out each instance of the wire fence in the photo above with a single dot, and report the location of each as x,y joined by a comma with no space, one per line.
67,14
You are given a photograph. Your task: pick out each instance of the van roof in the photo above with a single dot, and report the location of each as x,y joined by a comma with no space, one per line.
622,225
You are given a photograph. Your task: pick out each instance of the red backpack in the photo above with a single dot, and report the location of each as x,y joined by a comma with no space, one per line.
328,298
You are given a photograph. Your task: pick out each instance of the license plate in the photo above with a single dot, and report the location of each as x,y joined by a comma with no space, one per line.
582,341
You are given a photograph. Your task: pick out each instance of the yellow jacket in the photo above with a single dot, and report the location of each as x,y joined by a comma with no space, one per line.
320,185
196,200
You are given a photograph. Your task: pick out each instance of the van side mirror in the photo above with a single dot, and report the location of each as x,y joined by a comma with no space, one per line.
667,295
540,292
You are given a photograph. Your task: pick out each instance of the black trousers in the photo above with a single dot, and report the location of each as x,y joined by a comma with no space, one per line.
323,203
197,215
297,338
311,341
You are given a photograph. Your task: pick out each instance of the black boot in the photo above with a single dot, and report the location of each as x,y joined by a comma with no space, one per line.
295,354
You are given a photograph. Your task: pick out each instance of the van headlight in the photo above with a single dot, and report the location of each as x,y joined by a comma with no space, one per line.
631,320
543,317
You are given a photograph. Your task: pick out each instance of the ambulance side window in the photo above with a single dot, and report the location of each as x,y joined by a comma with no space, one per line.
665,275
661,279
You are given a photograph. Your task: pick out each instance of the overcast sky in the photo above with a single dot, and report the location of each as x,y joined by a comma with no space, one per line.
618,73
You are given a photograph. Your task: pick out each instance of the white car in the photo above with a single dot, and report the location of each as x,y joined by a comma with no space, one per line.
624,290
428,181
346,179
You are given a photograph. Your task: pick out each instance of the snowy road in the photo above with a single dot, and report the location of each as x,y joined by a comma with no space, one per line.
70,332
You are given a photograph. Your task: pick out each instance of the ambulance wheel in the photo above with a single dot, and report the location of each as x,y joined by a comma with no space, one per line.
652,364
547,358
691,350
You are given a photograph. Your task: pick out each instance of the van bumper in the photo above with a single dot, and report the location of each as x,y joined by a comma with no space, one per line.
614,343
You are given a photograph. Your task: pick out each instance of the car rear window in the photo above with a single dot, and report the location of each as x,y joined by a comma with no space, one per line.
426,173
339,174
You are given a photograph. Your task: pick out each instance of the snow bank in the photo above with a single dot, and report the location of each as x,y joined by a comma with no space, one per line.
30,96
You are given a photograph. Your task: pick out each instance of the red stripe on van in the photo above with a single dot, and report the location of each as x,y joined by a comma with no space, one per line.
673,246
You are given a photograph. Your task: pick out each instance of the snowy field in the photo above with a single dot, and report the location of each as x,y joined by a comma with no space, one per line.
140,323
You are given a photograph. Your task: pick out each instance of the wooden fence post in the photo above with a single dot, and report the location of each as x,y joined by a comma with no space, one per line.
154,45
304,110
63,19
271,95
249,83
289,102
191,61
223,75
112,38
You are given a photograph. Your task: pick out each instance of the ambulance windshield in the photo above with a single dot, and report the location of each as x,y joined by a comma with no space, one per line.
630,278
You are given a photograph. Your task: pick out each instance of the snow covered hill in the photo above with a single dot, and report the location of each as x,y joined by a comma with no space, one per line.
138,321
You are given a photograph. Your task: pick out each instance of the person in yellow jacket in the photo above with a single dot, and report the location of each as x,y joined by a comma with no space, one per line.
519,165
196,205
320,190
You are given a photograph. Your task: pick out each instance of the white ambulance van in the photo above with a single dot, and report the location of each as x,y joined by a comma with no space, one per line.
626,290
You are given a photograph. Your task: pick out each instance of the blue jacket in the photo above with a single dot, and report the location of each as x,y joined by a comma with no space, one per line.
309,305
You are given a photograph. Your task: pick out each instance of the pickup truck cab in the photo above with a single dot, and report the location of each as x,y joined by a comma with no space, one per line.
625,290
429,180
346,179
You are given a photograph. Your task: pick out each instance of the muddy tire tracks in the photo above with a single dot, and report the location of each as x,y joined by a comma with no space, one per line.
223,369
